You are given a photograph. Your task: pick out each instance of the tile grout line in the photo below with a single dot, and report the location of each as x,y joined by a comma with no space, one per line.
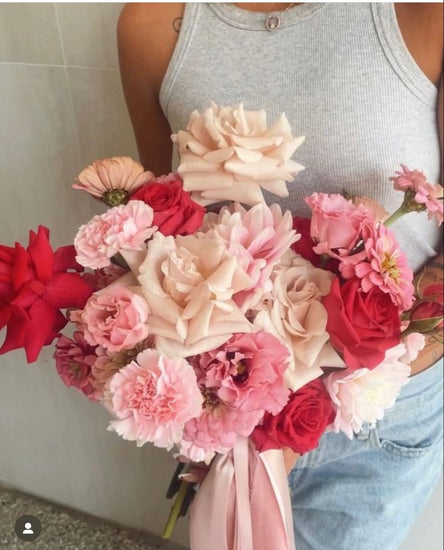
68,84
58,66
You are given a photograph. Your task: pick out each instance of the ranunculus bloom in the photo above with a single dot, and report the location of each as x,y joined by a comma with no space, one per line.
293,312
189,284
336,223
124,227
362,325
34,286
115,318
301,422
383,265
74,359
247,372
228,153
257,238
174,211
152,399
100,278
364,395
424,193
104,177
216,430
377,212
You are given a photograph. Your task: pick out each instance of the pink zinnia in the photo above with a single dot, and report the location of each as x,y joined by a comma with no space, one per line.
153,398
74,359
247,372
382,264
124,227
425,193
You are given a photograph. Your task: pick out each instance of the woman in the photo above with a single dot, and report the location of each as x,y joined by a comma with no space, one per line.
360,81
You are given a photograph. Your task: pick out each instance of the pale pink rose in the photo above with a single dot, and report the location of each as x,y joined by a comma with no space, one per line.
74,359
414,343
426,194
100,278
336,223
102,177
257,238
364,395
228,153
377,212
293,312
189,283
216,430
124,227
153,398
247,372
382,264
115,318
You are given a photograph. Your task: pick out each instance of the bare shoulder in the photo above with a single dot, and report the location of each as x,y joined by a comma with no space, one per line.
421,26
146,38
147,34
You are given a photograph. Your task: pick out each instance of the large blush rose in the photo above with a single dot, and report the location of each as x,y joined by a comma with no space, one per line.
301,422
362,325
174,211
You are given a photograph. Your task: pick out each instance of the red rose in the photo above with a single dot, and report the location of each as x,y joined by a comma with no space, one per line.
300,424
428,311
304,246
174,211
362,325
33,286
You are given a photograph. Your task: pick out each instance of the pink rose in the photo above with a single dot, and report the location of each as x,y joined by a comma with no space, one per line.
153,398
124,227
336,223
114,318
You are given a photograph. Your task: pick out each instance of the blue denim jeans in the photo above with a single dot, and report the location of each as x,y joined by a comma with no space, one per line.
365,493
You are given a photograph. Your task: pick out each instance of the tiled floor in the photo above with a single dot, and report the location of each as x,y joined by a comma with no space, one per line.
64,529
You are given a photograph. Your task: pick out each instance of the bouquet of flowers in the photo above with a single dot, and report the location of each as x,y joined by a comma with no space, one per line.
230,334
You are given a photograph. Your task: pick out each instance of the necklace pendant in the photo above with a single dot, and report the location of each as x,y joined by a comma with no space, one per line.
272,22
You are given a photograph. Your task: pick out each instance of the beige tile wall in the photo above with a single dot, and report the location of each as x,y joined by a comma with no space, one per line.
61,106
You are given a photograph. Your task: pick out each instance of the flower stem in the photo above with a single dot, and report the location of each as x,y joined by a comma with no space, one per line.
175,510
396,215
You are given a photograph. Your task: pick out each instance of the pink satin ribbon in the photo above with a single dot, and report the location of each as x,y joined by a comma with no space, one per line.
243,503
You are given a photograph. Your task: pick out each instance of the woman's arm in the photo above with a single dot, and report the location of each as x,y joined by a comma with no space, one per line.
146,37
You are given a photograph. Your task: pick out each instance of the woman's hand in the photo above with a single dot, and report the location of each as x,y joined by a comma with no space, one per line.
290,459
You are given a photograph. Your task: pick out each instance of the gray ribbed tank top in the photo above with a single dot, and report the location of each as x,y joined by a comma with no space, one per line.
346,81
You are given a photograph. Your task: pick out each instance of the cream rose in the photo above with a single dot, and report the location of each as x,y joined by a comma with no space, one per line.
188,284
293,312
228,153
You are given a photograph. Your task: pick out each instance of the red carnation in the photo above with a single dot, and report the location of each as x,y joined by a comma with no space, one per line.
300,424
34,286
174,211
362,325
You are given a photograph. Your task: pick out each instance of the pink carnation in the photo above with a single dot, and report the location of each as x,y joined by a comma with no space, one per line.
425,193
336,223
74,359
247,372
257,238
114,318
364,395
216,430
124,227
153,398
382,264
